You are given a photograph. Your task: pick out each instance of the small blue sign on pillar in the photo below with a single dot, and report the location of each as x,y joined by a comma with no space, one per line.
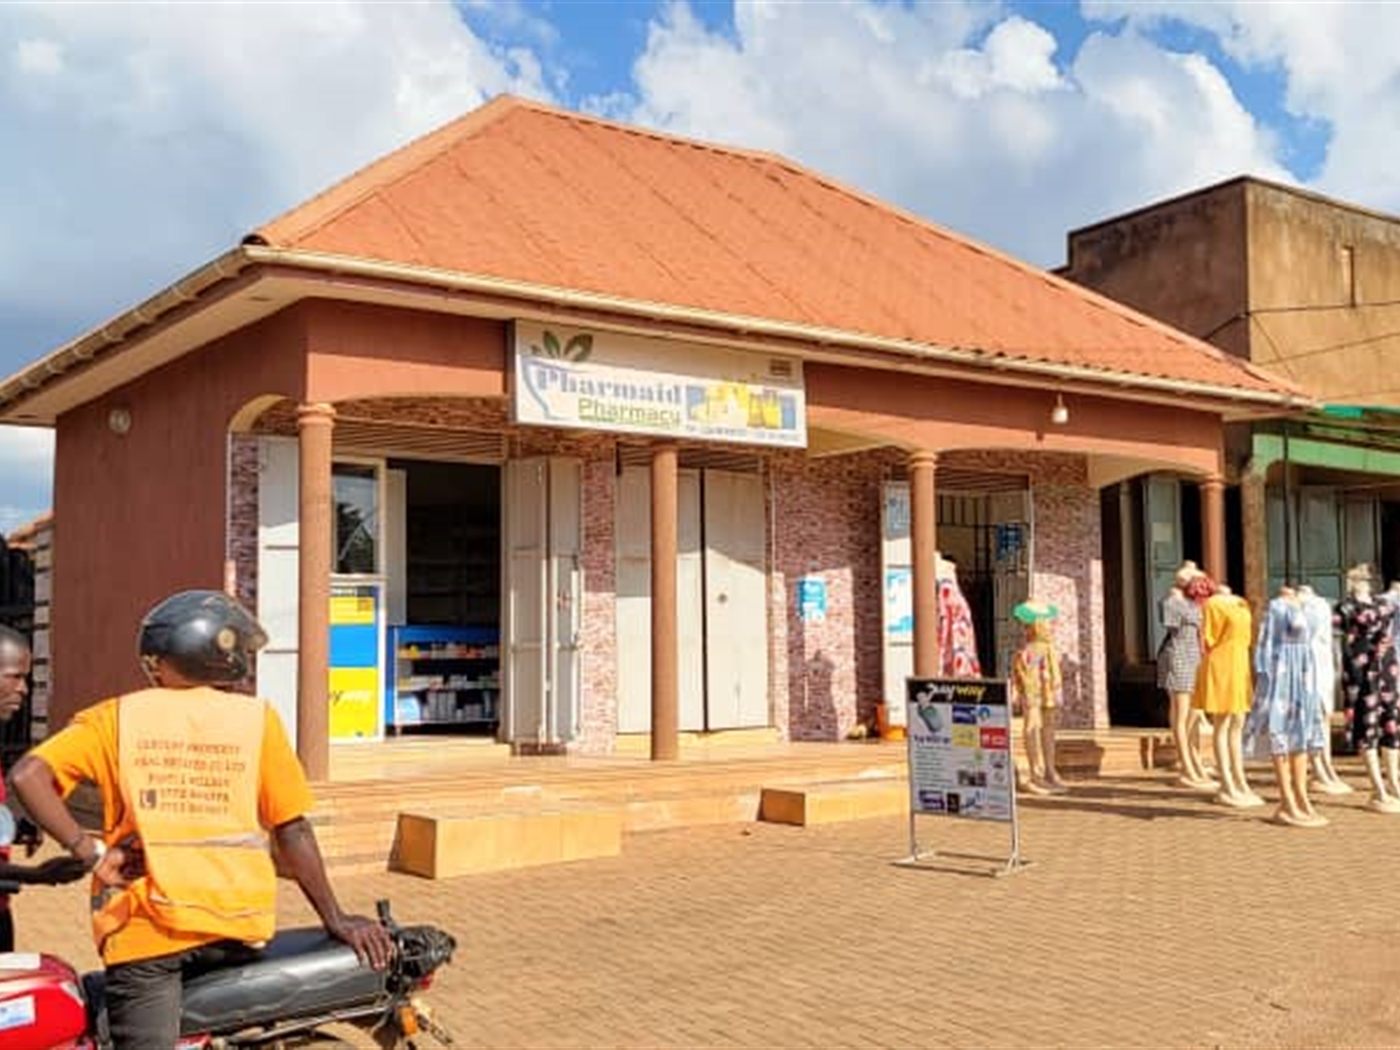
811,599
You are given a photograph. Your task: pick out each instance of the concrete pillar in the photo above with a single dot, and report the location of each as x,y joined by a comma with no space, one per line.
1213,527
1254,523
665,633
315,426
923,521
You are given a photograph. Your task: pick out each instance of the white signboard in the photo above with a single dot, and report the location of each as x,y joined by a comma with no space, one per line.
594,380
960,748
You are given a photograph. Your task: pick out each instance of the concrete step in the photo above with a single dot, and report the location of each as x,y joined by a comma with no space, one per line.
833,801
438,847
357,821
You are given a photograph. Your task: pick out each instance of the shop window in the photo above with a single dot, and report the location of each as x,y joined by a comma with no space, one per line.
355,491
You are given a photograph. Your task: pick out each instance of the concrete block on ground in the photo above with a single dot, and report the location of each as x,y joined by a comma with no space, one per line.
834,801
438,846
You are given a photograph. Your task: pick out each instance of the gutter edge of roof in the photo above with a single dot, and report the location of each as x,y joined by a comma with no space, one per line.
130,324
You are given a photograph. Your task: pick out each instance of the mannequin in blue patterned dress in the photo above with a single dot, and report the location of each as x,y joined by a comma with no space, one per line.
1318,610
1286,719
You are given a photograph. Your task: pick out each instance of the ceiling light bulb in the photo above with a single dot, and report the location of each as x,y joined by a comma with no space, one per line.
1059,415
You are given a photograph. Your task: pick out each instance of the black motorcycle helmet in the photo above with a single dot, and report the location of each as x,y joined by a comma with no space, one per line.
206,636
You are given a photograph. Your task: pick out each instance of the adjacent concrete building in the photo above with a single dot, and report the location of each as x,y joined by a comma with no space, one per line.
1310,288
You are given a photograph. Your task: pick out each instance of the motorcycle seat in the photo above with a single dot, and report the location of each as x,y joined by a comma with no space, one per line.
300,973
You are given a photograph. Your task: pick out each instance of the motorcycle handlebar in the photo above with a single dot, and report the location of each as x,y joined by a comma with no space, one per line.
8,887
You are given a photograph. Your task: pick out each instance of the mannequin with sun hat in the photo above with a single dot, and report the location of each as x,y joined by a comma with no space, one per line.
1178,659
1037,689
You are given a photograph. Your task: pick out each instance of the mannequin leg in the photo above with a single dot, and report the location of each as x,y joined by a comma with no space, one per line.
1179,703
1392,770
1288,811
1035,759
1236,731
1050,720
1196,723
1230,792
1381,799
1298,769
1188,759
1328,781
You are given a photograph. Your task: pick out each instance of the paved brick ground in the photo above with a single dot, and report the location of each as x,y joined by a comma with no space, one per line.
1149,918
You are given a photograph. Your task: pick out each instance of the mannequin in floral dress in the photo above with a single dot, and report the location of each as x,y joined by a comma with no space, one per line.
957,637
1036,688
1370,681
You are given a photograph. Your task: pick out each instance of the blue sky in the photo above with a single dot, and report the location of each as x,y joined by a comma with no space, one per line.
155,136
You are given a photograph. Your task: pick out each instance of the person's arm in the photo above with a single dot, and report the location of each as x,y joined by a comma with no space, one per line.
82,751
37,787
53,872
300,857
284,800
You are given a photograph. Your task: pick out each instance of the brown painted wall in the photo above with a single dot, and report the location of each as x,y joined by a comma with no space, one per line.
141,515
361,350
941,414
1336,336
1182,262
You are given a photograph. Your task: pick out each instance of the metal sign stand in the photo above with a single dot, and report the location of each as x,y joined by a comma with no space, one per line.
919,854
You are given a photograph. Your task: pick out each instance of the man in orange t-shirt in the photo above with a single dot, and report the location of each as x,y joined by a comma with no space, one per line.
194,778
15,659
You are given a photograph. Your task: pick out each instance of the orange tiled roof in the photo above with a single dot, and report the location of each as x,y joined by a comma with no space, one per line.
525,192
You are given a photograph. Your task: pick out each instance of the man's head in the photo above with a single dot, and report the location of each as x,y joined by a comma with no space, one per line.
14,671
199,638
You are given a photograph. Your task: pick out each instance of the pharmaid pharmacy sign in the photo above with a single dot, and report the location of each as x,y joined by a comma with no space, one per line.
604,381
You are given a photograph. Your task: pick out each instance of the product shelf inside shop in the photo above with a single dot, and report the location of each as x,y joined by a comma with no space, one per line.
444,676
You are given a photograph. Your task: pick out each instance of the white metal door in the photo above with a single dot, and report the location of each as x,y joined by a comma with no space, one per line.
395,546
544,599
736,610
633,545
278,582
525,621
633,541
566,588
690,599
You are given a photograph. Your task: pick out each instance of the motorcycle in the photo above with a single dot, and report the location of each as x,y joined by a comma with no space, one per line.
282,996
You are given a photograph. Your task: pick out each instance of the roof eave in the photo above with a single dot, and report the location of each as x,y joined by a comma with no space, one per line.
1272,401
1233,402
121,329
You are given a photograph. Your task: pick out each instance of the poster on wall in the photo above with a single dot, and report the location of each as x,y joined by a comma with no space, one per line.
356,621
811,599
960,763
899,603
600,380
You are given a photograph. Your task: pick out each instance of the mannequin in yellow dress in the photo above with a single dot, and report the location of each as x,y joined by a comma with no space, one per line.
1225,689
1036,688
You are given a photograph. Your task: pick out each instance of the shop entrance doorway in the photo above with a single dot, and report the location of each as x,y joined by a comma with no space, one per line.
442,572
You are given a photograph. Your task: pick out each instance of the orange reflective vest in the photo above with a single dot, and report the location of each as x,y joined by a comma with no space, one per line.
189,762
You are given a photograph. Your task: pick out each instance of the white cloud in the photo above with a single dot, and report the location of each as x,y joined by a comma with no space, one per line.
956,111
1340,64
38,56
1016,54
156,135
167,131
26,475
